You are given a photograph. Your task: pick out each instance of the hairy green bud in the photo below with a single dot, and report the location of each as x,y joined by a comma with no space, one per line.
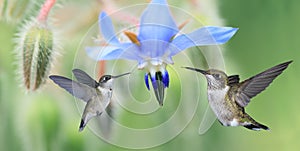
36,44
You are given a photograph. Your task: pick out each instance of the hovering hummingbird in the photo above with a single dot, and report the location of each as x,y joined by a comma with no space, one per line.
228,97
96,94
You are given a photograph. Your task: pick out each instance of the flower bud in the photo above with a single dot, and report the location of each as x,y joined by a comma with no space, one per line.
37,46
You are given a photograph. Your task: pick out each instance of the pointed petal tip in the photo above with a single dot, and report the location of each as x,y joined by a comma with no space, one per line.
157,19
207,35
222,34
234,30
107,29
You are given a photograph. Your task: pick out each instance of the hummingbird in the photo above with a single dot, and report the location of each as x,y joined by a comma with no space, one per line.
228,97
97,95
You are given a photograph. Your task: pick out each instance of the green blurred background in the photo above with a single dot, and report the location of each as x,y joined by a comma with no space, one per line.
268,35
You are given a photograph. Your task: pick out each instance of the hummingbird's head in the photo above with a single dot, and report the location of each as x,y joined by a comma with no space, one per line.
216,79
106,81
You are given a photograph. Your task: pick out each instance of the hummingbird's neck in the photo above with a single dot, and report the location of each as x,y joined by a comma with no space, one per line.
216,81
106,85
213,85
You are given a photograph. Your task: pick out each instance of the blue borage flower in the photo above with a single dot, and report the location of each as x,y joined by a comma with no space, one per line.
156,43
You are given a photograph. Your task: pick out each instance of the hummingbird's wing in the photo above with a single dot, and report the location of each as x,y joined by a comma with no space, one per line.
77,89
256,84
106,121
84,78
207,121
94,107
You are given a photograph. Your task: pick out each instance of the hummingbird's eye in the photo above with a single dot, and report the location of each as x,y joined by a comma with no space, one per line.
105,78
217,76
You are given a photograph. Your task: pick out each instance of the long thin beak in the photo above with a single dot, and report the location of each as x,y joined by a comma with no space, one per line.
198,70
121,75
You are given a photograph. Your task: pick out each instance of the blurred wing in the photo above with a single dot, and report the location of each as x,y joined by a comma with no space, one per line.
106,120
256,84
78,90
92,108
208,120
84,78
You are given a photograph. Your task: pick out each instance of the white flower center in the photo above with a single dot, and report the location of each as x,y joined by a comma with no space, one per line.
153,65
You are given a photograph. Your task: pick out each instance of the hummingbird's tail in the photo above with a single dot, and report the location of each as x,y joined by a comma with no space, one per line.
253,125
256,127
82,125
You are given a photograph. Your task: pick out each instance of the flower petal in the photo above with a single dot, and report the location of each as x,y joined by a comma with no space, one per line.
157,22
208,35
104,53
165,78
147,80
123,51
154,48
107,29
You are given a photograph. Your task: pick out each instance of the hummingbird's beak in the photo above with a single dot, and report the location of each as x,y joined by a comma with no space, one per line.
120,75
198,70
